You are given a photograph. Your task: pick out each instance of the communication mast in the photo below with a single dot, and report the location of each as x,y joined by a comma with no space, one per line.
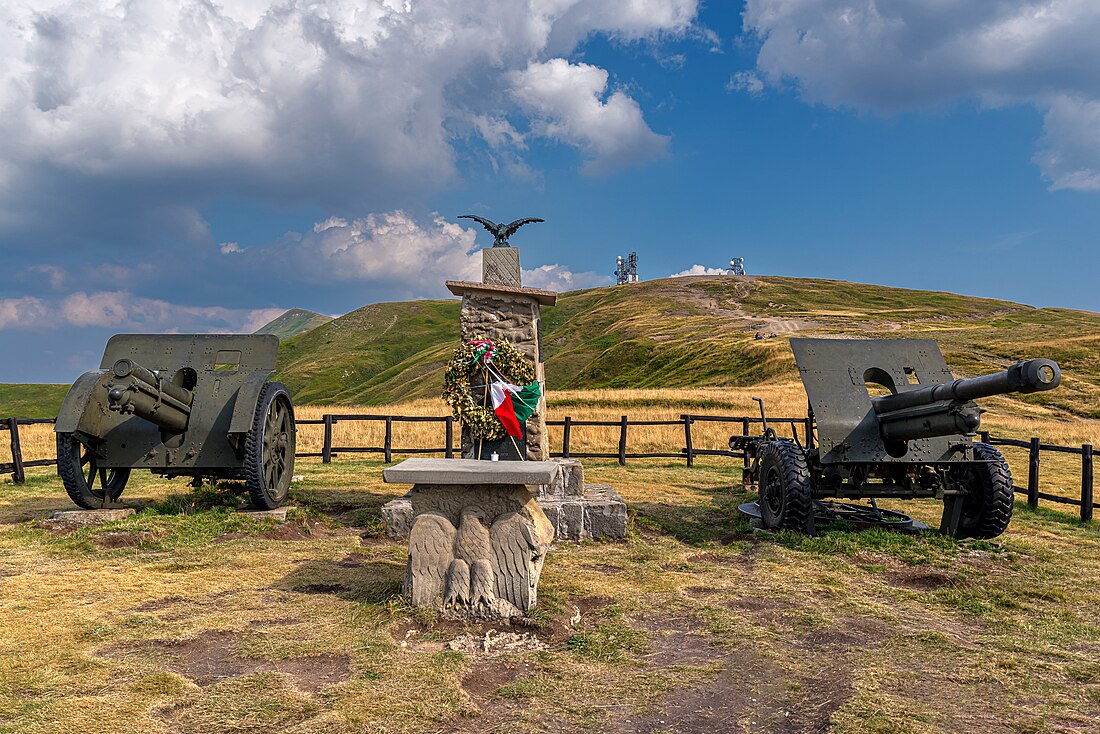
626,271
737,266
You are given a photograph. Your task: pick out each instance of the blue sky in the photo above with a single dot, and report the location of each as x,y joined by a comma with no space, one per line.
194,166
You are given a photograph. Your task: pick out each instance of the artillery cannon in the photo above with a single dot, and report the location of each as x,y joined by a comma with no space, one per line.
913,440
192,405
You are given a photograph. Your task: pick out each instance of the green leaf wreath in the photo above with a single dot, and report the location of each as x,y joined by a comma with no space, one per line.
470,362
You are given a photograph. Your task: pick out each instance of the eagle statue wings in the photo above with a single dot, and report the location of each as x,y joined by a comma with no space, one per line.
482,570
501,232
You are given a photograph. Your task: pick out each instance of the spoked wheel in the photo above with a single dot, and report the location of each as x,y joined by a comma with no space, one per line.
987,504
786,493
269,449
80,472
864,516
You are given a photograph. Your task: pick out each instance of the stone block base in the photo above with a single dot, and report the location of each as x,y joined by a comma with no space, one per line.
278,514
598,514
397,517
76,518
500,266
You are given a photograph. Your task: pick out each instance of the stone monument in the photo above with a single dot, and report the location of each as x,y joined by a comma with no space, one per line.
478,537
501,308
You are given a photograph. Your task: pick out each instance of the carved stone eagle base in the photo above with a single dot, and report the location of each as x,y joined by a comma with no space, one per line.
476,551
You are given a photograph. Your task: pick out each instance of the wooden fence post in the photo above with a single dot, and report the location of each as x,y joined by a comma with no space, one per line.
565,437
622,441
745,432
387,448
687,440
1033,473
1086,482
450,436
17,474
326,449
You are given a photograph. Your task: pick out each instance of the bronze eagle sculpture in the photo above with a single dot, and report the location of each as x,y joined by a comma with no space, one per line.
501,232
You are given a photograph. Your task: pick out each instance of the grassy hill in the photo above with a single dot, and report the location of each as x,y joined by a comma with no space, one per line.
31,401
688,332
294,322
671,333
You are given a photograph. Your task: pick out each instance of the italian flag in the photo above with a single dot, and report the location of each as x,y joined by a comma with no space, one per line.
513,404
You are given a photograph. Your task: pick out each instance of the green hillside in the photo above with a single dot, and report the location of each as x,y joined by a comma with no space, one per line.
31,401
294,322
685,332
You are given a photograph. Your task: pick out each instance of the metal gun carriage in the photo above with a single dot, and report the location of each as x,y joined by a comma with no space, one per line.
197,405
913,440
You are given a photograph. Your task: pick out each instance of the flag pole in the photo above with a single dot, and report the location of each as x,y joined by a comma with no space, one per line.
484,404
520,453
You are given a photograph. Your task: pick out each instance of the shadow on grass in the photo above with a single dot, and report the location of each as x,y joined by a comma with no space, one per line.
714,519
359,507
367,581
1069,516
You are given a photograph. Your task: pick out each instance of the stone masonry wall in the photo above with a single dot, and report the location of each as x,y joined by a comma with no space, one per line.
514,319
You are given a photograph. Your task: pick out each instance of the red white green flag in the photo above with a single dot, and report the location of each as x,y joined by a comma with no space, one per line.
514,404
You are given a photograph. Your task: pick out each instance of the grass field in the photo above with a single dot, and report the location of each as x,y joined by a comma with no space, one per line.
189,617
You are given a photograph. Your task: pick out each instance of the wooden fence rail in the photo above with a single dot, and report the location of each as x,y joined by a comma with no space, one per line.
688,452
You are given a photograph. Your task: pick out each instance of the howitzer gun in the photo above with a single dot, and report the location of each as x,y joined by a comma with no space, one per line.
193,405
915,440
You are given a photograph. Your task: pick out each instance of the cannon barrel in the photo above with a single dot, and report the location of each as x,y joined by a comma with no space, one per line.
139,391
1033,375
947,409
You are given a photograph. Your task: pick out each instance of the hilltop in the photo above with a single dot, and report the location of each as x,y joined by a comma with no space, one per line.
670,333
294,322
693,332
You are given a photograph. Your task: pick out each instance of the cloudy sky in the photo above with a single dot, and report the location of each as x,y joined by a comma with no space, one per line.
179,165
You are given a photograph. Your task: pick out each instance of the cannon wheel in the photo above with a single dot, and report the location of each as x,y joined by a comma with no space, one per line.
76,465
987,506
269,448
786,493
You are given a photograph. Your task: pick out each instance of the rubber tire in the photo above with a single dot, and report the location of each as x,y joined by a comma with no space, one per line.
785,462
72,476
987,509
265,497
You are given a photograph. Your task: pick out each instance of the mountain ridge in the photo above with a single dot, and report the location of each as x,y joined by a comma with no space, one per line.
691,332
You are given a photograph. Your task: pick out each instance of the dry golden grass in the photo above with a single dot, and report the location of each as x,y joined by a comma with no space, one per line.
1007,418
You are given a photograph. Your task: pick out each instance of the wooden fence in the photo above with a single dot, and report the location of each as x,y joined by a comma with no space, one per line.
17,466
688,452
1035,448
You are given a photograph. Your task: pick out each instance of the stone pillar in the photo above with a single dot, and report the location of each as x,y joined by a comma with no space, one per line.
512,314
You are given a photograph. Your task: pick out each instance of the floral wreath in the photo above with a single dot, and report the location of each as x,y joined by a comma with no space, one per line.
472,360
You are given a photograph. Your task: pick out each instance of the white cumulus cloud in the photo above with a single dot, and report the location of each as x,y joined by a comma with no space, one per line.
396,254
569,104
124,311
698,270
560,278
155,106
890,55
